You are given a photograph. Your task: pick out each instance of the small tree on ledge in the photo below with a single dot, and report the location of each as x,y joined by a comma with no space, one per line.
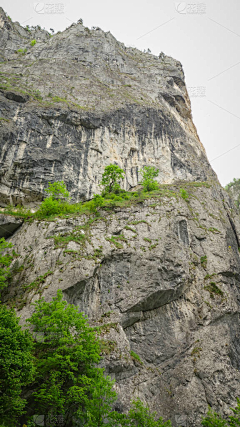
148,175
110,179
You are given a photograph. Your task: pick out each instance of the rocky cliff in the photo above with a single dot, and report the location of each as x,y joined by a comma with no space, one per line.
160,275
77,101
161,279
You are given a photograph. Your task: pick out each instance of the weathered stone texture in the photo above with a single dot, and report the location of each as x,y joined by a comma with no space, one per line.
77,101
151,291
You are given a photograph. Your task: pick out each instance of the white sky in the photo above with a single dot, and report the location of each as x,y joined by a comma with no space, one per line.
203,36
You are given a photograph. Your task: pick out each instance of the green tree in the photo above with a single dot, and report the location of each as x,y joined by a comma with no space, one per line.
57,190
5,261
148,174
99,406
16,366
67,352
110,178
57,199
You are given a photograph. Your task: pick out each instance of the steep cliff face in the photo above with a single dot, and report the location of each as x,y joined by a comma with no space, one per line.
80,100
161,278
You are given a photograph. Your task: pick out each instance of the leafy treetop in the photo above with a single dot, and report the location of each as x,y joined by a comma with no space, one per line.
57,190
110,178
148,174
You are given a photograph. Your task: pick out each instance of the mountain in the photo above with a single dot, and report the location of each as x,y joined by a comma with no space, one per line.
160,275
77,101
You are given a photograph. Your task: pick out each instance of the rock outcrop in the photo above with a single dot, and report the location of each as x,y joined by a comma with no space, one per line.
161,278
77,101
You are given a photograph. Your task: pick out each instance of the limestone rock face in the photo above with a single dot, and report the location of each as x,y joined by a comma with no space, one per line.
75,102
161,278
8,225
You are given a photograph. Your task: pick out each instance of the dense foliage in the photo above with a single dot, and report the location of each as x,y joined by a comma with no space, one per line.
214,419
66,354
148,174
16,366
5,260
110,179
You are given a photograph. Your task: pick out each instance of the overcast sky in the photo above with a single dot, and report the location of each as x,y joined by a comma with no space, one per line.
203,36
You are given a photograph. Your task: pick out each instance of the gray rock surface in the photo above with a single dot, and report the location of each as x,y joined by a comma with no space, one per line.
8,225
161,278
79,100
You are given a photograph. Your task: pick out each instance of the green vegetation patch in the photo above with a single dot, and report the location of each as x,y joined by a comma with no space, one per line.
136,357
213,289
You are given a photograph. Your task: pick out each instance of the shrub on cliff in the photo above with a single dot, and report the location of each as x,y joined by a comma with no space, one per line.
214,419
110,178
138,415
5,261
148,174
96,203
57,200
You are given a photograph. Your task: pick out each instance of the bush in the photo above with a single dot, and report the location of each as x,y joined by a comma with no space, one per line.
138,415
56,202
50,207
33,42
148,175
184,194
111,177
5,261
213,419
96,202
57,190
